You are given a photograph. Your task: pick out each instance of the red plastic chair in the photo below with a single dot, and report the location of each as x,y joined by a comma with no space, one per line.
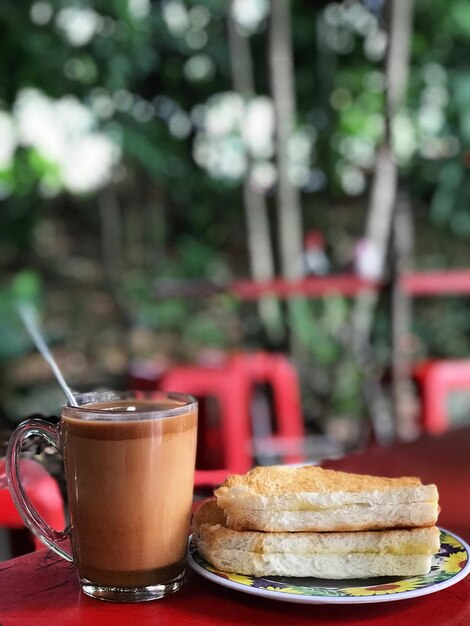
229,385
232,382
437,379
278,372
44,494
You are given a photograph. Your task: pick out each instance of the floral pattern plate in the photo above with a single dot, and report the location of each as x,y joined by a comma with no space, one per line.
450,565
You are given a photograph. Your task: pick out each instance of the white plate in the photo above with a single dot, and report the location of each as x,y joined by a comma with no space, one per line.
451,564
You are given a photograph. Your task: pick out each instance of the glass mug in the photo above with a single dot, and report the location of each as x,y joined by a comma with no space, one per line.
129,468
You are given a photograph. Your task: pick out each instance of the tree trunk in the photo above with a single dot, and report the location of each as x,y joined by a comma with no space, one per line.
405,405
289,211
283,90
382,201
381,209
112,254
257,221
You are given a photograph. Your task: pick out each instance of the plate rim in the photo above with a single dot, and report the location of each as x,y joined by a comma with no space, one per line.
304,599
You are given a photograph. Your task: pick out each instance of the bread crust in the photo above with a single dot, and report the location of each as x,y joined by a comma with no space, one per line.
331,567
278,499
282,480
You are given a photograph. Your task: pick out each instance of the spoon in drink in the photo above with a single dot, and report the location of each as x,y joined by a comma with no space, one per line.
30,320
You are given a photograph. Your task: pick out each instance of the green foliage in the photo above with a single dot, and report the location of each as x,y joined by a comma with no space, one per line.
177,221
339,88
24,287
333,378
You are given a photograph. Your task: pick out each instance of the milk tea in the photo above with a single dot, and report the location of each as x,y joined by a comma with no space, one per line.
130,487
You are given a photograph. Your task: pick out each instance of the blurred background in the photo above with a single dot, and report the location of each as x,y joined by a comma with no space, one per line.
154,153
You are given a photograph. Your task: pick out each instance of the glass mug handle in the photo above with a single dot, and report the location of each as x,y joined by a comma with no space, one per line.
55,539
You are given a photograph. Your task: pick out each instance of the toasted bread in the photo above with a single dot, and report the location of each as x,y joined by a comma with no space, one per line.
288,499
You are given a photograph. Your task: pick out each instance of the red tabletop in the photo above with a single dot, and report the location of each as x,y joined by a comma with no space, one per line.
41,589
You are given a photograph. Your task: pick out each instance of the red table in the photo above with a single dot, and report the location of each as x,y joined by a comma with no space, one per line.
42,590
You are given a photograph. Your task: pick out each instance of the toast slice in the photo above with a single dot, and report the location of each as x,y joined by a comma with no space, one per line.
311,499
344,555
